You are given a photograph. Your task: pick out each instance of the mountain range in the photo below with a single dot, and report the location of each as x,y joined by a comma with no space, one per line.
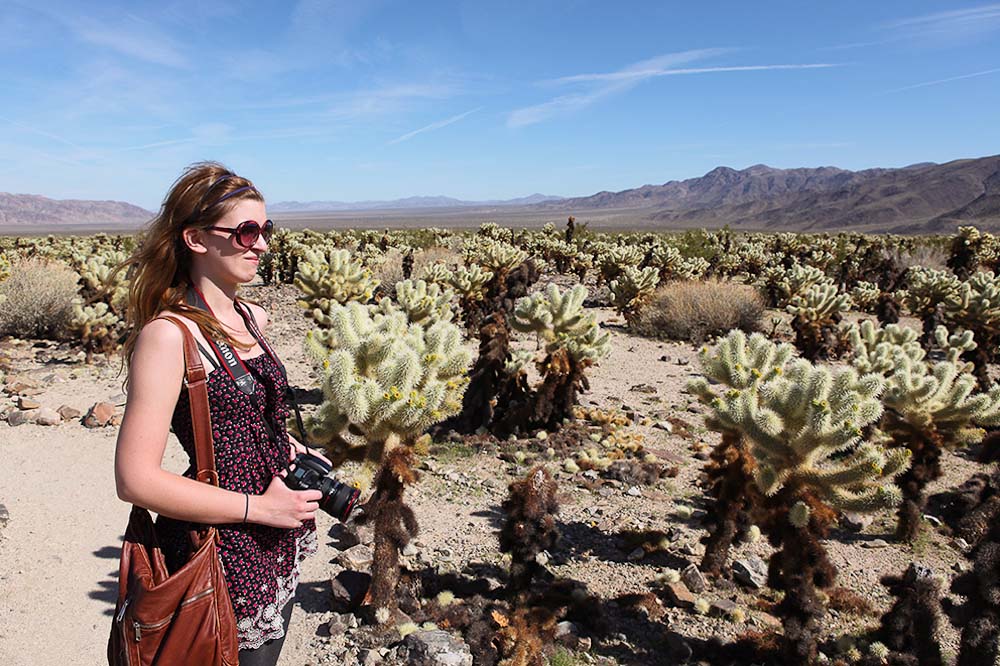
920,198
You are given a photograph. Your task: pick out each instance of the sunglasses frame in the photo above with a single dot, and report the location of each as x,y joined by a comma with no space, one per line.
261,230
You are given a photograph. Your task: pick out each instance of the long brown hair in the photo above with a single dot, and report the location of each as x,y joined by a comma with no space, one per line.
159,269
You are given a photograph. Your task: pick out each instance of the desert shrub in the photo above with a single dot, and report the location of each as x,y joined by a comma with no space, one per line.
929,256
37,299
696,311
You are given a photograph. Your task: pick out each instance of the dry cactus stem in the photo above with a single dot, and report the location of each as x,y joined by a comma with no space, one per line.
964,258
529,526
910,629
979,616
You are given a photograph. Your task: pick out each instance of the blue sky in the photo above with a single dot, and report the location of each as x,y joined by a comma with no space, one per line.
380,99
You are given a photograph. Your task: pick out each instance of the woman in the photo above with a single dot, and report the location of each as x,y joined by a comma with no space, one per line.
207,240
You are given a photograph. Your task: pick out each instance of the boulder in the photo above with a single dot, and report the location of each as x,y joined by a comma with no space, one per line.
751,571
437,648
48,417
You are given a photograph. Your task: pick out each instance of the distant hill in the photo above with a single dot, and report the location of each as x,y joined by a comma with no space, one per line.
919,198
32,210
409,203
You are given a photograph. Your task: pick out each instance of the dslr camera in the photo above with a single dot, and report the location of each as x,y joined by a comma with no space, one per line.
309,472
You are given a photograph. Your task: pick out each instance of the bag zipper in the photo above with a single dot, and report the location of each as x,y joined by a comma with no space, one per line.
139,626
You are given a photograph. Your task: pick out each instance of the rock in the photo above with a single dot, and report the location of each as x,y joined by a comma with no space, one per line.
856,522
634,491
933,520
721,608
636,555
117,400
875,543
643,388
367,657
4,516
767,621
348,590
28,403
678,595
15,387
566,633
357,558
437,648
48,417
664,425
99,415
338,624
694,579
116,420
32,392
409,550
751,571
68,413
961,544
20,417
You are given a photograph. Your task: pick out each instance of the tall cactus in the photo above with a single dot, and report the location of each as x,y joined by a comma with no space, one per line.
385,380
928,406
804,428
742,364
976,308
423,303
927,292
816,315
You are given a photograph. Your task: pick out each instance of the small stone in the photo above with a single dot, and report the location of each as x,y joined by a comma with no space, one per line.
28,403
564,628
679,595
854,521
751,571
721,608
962,544
643,388
636,555
437,648
99,415
117,400
116,420
875,543
767,621
368,657
409,550
20,417
337,624
680,651
68,413
357,558
348,590
48,417
583,643
634,491
16,387
664,425
4,516
694,579
933,520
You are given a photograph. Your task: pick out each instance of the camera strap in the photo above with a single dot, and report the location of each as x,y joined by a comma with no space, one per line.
235,368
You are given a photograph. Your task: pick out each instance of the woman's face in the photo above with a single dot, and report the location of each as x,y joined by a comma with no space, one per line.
222,256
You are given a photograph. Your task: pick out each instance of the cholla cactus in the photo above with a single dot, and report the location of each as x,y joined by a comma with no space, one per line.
559,320
613,260
98,282
633,289
927,291
4,267
438,273
976,308
804,428
742,364
96,326
965,248
929,407
865,296
497,256
781,285
423,303
332,278
384,376
470,282
816,314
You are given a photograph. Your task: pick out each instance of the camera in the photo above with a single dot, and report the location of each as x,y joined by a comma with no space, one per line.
309,472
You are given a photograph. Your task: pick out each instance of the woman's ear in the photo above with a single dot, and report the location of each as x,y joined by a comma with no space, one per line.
192,238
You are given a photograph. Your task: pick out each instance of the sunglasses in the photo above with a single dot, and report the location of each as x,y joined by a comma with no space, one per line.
246,233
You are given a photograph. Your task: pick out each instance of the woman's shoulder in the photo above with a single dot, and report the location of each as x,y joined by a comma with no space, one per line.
163,332
258,313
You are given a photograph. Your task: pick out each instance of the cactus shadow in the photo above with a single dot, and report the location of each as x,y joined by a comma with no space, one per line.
313,596
313,396
578,538
493,513
107,591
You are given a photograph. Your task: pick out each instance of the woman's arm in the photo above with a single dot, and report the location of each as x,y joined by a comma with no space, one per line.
155,376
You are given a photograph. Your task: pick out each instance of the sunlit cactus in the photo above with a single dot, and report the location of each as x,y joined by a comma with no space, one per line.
470,283
558,319
805,432
976,307
499,257
97,281
927,292
96,326
423,303
612,260
438,273
816,314
334,277
865,296
928,406
632,290
781,285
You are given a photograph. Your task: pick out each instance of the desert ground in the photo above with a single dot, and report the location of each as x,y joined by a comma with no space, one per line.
61,522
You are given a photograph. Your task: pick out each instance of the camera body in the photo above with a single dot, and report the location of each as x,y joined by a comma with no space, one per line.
309,472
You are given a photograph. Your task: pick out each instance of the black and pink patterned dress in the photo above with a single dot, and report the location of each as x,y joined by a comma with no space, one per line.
261,563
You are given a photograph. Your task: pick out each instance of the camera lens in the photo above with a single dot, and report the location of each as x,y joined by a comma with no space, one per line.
338,498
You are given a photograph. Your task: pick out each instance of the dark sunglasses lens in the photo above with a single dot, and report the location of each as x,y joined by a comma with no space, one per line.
247,233
268,230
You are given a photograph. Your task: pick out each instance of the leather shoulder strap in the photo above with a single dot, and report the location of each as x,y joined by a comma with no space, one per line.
201,420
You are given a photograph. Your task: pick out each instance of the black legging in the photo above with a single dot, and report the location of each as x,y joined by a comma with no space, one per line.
267,654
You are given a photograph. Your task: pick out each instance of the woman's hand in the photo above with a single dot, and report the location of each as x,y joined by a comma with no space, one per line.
280,506
296,448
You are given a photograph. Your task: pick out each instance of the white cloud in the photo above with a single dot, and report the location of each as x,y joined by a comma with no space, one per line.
619,81
947,80
133,37
433,126
952,26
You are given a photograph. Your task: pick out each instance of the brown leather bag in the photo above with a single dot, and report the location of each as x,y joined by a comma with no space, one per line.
186,618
